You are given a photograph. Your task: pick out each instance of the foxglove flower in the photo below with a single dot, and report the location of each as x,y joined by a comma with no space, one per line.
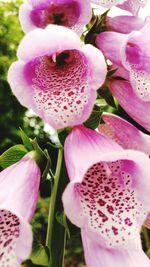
138,109
107,3
56,77
132,52
74,14
124,133
132,6
107,197
124,24
19,185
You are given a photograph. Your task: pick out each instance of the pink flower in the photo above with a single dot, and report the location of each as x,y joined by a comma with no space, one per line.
107,3
138,109
74,14
132,52
132,6
107,197
56,77
124,24
124,133
19,185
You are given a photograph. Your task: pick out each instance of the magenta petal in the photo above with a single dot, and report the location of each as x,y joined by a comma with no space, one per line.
113,46
25,19
39,14
53,39
108,196
57,78
87,140
131,103
124,133
124,24
97,65
133,6
16,241
107,3
96,255
24,202
17,206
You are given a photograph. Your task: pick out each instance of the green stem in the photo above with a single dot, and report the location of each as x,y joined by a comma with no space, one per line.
53,201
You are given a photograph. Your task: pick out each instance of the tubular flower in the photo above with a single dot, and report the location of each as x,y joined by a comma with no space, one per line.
74,14
56,77
107,197
128,99
124,133
124,24
132,52
19,191
107,3
132,6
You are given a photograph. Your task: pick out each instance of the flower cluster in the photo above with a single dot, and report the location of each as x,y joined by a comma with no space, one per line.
58,76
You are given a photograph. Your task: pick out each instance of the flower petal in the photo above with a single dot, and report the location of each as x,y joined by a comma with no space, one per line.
130,102
53,39
83,138
73,14
133,6
124,133
113,45
110,192
58,83
17,206
97,65
107,3
124,24
15,239
96,255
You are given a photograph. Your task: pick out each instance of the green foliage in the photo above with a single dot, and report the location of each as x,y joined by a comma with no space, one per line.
12,155
26,140
10,34
39,255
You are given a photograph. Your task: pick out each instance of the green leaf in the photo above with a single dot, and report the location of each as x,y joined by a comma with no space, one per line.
106,94
61,218
39,255
12,155
26,141
94,120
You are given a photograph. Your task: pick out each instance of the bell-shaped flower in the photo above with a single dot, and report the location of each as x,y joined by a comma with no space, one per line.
19,185
107,3
107,197
57,77
124,24
132,6
124,133
138,109
74,14
132,52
